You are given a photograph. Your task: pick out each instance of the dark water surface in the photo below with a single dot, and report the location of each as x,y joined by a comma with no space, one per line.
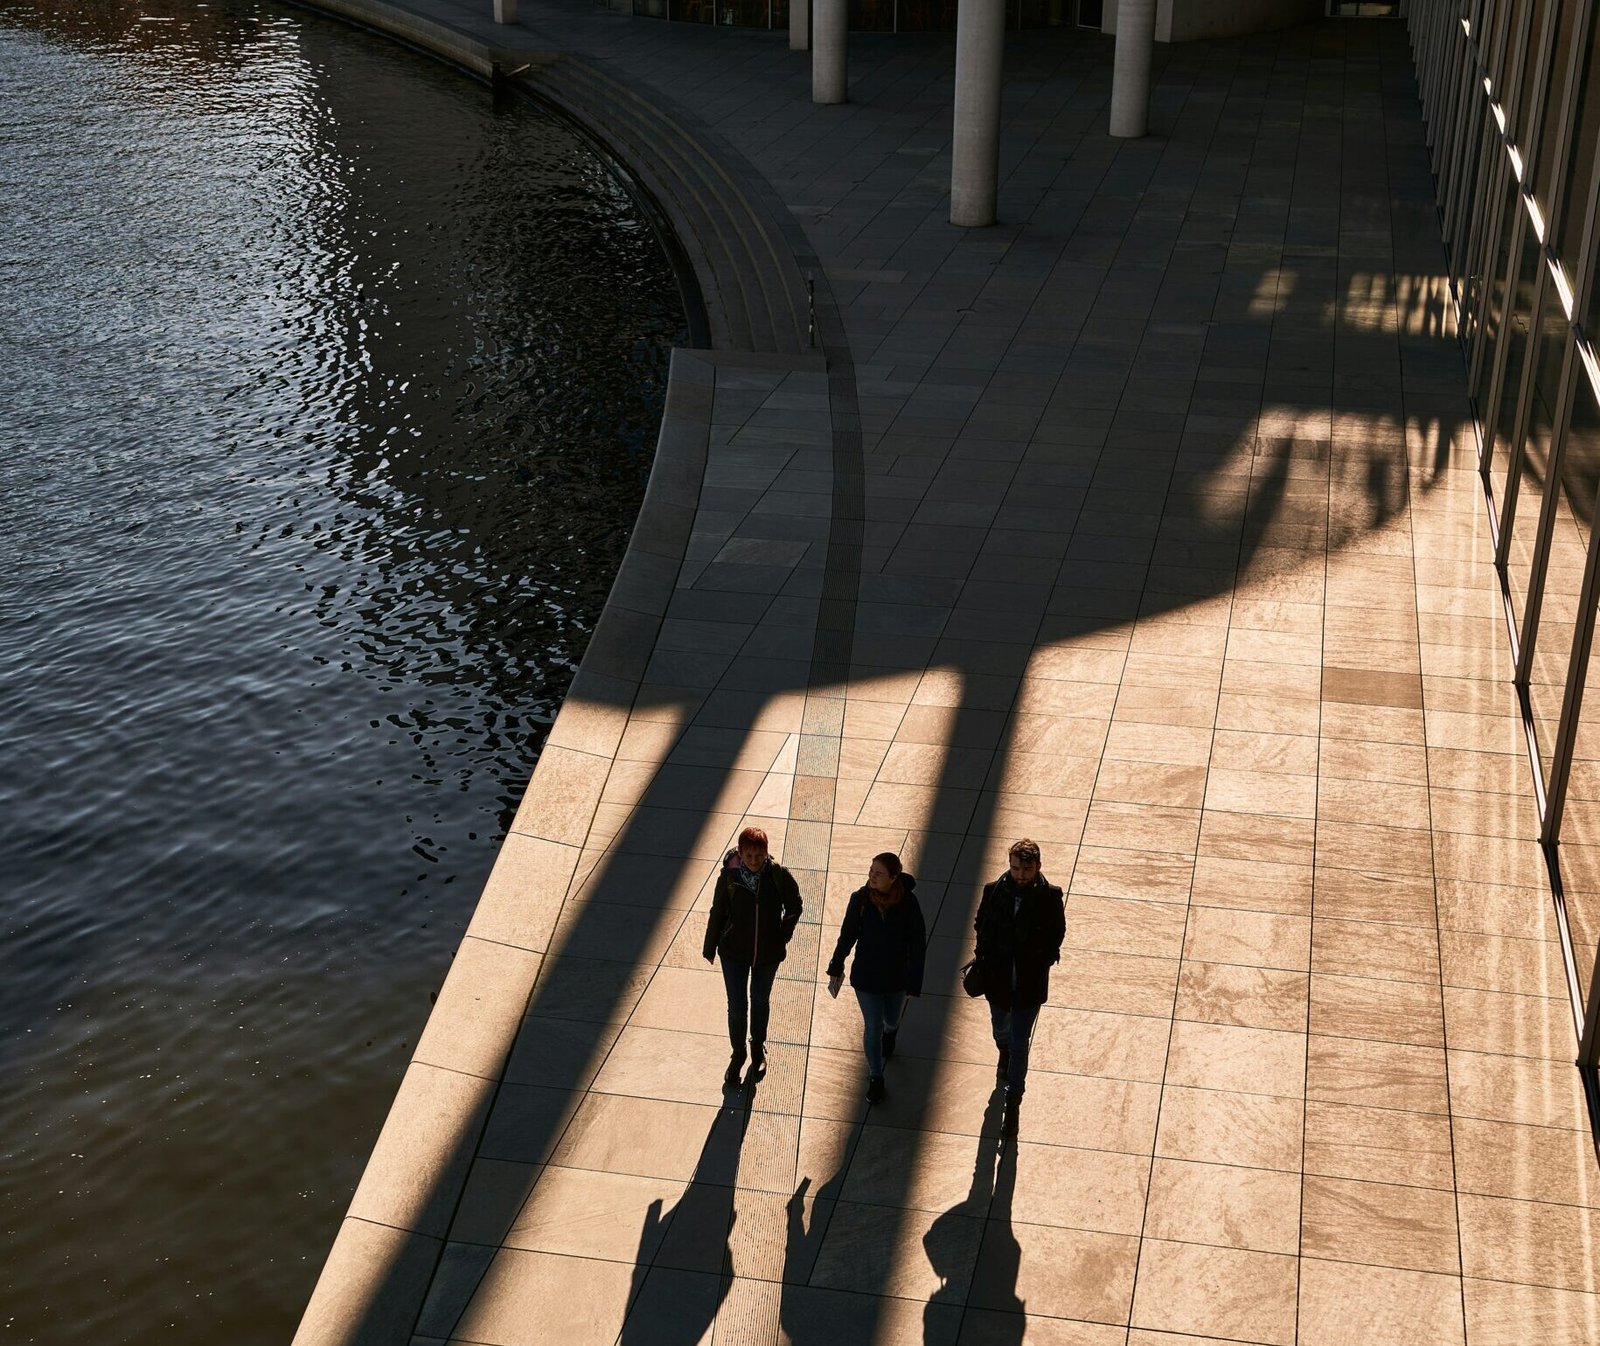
330,387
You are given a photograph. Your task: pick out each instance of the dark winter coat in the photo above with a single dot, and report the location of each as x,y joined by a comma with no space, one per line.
890,943
1029,937
753,928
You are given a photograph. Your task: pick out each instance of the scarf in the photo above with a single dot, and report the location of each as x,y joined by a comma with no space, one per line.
883,901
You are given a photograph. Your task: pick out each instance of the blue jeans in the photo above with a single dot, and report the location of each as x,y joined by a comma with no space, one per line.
880,1014
749,1002
1013,1032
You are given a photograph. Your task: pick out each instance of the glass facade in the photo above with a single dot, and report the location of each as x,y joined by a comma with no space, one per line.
1511,93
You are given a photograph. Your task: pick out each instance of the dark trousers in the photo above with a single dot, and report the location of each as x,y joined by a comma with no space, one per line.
749,1003
1013,1031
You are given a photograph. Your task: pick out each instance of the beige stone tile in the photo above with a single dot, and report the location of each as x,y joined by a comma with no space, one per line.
1141,827
1382,1224
1078,1188
1275,754
1166,744
1114,982
930,1171
1342,1304
1244,1060
1490,909
1513,1025
1372,802
1483,813
1054,822
1224,1206
1376,1074
1370,895
1065,735
1256,792
1057,1273
479,1009
1254,885
1050,696
1046,773
1151,783
1115,925
1148,876
1517,1089
861,759
587,1213
1397,850
1274,647
1368,949
1532,1242
1459,769
1220,1292
931,763
1248,938
1530,1163
1359,760
1089,1111
1182,705
1496,963
1083,1042
1503,1314
1372,724
493,1196
1251,997
1517,862
527,1298
1268,713
641,1136
1218,1127
1388,1011
908,1254
522,898
1239,836
989,1327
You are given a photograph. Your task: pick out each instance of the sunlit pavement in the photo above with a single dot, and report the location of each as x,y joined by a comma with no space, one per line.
1145,524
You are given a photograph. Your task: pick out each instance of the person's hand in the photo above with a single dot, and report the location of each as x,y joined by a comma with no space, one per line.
834,983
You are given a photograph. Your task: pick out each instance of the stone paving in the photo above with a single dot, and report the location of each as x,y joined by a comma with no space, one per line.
1145,524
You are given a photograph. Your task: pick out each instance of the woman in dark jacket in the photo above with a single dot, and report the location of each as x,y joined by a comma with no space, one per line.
754,911
883,923
1021,923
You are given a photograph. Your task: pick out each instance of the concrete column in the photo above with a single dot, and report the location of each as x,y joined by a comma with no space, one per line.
830,24
975,153
505,11
1130,73
799,25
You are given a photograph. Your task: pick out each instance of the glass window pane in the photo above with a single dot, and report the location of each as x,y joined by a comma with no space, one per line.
1494,296
1580,157
1504,423
1569,543
1580,824
1532,53
1544,157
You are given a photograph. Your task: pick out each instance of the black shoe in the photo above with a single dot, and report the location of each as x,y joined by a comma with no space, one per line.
730,1078
1008,1124
758,1062
875,1089
889,1035
1002,1071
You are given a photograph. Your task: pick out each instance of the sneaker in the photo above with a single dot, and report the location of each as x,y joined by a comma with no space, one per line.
730,1077
889,1035
1008,1124
875,1089
1002,1070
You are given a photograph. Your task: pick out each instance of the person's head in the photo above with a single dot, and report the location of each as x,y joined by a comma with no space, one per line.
1024,856
883,871
752,848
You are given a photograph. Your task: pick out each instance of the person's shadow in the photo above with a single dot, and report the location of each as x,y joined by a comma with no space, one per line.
680,1271
991,1286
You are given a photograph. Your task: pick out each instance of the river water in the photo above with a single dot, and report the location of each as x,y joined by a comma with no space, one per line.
331,384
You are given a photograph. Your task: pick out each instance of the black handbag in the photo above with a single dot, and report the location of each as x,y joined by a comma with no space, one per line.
972,979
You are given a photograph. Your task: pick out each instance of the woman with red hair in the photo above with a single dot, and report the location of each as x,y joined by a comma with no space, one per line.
754,911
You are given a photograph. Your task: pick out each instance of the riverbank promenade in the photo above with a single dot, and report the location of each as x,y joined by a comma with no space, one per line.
1146,524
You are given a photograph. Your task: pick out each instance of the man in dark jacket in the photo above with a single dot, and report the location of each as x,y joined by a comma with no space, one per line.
1020,925
754,911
